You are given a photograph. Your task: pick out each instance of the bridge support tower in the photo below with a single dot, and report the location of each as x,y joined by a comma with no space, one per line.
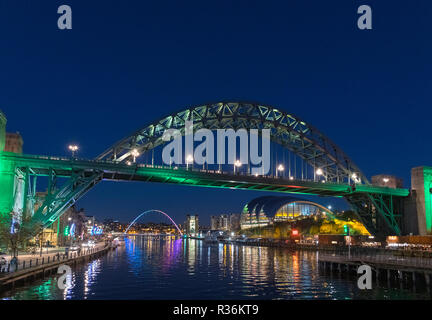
12,182
419,206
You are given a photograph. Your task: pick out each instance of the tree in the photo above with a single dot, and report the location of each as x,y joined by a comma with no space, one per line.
22,232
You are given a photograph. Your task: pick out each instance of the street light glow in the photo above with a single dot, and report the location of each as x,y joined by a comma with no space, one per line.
281,168
73,148
189,159
319,172
238,163
386,180
135,153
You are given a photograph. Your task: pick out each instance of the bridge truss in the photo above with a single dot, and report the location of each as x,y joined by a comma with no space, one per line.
377,207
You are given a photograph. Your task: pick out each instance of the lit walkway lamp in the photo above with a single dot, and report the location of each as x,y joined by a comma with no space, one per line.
279,168
189,159
73,149
237,164
135,154
319,172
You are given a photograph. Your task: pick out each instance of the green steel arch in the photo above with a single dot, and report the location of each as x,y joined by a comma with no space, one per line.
379,213
288,130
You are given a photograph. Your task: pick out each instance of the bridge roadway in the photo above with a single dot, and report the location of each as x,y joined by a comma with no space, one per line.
65,167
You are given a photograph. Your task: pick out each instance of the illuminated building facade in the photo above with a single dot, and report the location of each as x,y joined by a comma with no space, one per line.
192,225
226,222
263,211
214,222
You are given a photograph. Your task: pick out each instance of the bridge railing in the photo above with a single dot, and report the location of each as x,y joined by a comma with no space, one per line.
40,261
387,259
172,167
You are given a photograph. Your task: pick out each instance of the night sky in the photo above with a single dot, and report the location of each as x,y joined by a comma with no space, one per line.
127,63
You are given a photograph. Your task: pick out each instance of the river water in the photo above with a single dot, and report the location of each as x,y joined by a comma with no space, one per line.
169,268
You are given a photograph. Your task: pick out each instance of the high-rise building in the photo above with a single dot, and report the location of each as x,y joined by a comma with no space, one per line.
214,223
234,222
223,222
192,225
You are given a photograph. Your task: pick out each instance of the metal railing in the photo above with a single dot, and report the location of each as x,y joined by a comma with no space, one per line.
36,262
388,259
182,167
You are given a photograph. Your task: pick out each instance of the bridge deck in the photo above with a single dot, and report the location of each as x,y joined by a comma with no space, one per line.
64,167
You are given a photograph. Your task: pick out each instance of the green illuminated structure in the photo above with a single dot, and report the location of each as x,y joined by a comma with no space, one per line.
379,208
421,181
12,181
2,131
81,173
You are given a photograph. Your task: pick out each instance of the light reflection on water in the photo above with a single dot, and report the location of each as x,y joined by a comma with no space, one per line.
169,268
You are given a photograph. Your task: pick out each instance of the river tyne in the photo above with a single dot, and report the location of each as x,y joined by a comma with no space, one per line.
168,268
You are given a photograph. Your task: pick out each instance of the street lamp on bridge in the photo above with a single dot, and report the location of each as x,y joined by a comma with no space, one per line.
237,164
189,159
135,154
73,148
319,172
279,168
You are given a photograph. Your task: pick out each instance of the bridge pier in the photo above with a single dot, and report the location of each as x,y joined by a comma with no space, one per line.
419,206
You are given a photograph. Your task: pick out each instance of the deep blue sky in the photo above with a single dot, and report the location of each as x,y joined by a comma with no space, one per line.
127,63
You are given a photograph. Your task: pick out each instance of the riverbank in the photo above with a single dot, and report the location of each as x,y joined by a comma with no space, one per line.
336,249
29,270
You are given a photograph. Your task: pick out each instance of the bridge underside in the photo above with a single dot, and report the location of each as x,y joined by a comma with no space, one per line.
377,207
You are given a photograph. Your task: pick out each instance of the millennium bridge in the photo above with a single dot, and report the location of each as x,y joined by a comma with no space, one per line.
382,210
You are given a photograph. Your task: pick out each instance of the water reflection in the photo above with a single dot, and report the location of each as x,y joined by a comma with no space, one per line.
170,268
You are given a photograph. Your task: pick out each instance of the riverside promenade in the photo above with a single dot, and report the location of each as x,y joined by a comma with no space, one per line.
30,268
403,270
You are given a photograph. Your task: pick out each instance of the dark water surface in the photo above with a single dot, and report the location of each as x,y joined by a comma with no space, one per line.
151,268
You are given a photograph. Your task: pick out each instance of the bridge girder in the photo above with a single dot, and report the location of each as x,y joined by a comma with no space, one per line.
286,129
377,206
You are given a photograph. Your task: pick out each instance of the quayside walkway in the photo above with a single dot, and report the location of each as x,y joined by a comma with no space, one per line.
30,269
411,270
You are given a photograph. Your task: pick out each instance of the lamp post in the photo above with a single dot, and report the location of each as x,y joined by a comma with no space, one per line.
135,154
237,164
70,235
189,159
319,172
349,243
279,168
73,148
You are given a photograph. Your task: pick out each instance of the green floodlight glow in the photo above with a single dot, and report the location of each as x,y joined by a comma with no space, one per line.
66,231
346,230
